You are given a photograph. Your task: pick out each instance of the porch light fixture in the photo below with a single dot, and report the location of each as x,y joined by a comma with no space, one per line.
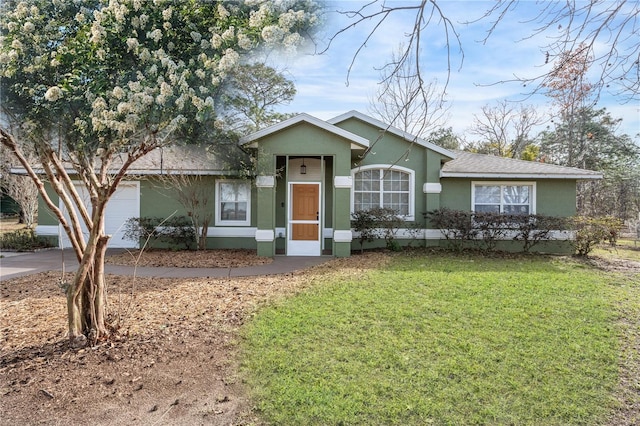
303,168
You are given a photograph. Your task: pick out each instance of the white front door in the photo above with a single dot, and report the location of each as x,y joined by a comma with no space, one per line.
303,233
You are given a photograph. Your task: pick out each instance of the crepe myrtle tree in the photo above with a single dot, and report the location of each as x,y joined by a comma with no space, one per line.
97,84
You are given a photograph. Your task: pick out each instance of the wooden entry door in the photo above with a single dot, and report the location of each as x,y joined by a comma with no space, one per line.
304,220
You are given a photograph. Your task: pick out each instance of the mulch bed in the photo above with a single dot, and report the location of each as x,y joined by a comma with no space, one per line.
227,258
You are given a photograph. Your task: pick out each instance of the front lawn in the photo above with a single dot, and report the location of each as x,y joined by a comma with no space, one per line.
441,339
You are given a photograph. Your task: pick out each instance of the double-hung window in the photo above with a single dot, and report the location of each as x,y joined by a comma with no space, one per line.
504,197
384,186
233,203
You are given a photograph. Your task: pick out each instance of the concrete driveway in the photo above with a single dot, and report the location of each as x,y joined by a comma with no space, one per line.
14,265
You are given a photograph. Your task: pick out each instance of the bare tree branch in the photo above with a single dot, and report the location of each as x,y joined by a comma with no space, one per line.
426,12
505,129
407,102
566,25
590,24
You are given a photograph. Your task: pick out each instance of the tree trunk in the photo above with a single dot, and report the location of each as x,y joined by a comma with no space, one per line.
86,296
204,229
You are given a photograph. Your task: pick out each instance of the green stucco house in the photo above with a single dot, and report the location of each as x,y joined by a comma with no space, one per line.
310,175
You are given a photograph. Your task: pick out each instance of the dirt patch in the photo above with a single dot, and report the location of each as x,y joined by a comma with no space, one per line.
624,266
189,259
176,360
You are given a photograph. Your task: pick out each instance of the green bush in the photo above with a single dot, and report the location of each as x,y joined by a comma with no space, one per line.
534,229
381,222
364,224
591,231
388,222
22,240
492,227
456,226
175,231
460,227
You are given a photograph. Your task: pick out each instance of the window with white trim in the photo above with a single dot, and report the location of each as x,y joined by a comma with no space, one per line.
384,186
504,197
233,202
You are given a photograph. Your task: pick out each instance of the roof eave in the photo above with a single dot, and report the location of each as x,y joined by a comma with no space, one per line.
577,176
146,172
393,130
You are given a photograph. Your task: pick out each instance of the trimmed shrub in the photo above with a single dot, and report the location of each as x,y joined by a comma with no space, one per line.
591,231
492,227
23,240
388,221
364,223
456,226
175,231
535,229
461,228
375,223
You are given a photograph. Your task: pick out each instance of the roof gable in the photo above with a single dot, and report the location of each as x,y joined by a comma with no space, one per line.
393,130
357,142
470,165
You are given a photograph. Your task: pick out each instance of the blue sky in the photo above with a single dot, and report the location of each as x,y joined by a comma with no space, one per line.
321,80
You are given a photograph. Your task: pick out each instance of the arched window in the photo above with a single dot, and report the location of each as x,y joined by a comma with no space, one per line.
384,186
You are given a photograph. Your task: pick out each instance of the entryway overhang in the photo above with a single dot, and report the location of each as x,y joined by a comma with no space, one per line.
303,170
357,142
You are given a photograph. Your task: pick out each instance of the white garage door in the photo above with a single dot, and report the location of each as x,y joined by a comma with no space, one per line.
124,204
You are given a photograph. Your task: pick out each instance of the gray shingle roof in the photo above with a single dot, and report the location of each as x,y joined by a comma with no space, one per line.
183,159
186,159
471,165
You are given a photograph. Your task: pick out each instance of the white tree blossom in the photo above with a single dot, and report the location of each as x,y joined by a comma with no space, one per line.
100,84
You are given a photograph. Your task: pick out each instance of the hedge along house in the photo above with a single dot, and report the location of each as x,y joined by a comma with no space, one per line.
310,175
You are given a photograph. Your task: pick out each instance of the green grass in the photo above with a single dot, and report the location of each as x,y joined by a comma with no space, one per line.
439,339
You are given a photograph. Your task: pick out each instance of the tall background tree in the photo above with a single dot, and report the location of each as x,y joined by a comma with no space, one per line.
446,138
586,137
573,95
97,85
250,97
506,130
601,148
404,100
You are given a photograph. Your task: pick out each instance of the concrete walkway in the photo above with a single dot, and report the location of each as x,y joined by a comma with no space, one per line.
14,265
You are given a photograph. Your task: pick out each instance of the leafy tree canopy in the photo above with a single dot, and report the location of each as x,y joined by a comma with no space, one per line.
597,146
97,84
118,72
251,95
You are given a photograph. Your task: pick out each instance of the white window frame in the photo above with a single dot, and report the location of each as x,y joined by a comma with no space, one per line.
532,201
387,168
219,220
